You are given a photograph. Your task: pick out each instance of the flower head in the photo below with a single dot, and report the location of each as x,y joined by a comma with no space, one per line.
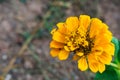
89,39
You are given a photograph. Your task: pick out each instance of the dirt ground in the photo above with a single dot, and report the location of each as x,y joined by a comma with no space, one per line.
19,17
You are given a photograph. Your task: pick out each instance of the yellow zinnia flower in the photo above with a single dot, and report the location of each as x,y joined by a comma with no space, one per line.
89,39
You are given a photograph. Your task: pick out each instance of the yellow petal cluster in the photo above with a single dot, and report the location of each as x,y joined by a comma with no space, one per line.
88,38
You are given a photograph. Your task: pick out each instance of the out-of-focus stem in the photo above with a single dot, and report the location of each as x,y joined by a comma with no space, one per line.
23,48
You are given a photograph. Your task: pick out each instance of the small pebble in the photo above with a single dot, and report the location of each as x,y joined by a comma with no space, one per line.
4,57
8,77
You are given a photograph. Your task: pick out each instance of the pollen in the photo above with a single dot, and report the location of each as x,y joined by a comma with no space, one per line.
77,40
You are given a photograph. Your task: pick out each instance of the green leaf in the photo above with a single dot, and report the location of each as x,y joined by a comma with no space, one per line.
108,74
118,73
115,41
118,54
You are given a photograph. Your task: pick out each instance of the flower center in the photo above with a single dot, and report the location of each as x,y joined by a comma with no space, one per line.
79,41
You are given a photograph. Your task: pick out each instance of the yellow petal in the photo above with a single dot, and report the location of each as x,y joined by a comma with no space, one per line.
69,43
105,58
105,27
108,35
109,48
104,37
93,67
95,27
80,53
92,57
72,23
105,30
82,64
55,44
84,21
54,52
101,67
60,25
66,48
61,28
63,55
97,50
57,36
72,48
53,30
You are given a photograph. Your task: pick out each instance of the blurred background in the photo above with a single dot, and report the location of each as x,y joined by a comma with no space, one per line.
18,18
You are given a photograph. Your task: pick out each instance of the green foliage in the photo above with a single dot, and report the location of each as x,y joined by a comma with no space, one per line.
54,13
115,41
41,33
109,74
118,56
1,1
23,1
55,16
118,73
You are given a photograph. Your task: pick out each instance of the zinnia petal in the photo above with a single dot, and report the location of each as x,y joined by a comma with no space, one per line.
55,44
92,57
95,27
54,52
97,50
105,58
61,28
82,64
105,27
66,48
52,32
63,55
93,67
57,36
84,21
80,53
104,37
109,48
101,67
72,23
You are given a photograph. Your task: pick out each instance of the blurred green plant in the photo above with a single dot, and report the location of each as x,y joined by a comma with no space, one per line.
1,1
23,1
54,13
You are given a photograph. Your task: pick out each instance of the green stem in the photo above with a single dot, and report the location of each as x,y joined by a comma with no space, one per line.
115,65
